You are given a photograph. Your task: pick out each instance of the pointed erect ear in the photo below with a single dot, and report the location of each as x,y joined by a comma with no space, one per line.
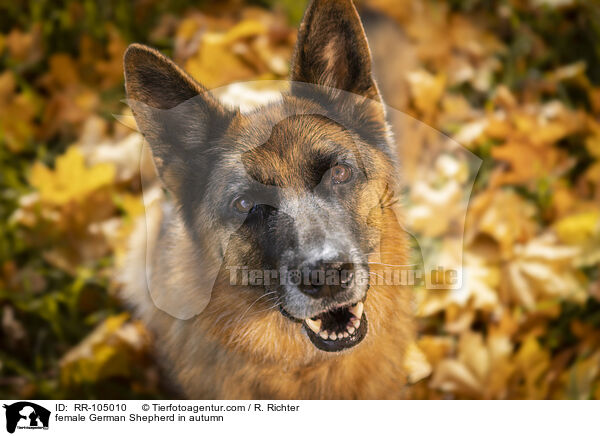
332,49
177,116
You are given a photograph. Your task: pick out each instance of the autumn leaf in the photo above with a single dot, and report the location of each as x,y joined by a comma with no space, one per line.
71,180
543,269
112,349
415,364
17,113
426,90
524,322
533,362
246,50
505,216
582,230
481,369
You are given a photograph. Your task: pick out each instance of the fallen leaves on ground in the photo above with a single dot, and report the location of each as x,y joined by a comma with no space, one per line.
502,82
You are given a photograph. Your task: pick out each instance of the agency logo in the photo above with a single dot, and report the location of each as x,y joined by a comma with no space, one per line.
26,415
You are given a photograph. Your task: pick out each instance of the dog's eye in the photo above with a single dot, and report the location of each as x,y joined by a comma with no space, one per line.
243,204
341,173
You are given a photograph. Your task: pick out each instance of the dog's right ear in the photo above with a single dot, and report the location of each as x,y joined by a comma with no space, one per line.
178,117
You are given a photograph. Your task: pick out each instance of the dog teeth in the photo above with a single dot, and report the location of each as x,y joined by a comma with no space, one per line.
315,325
357,310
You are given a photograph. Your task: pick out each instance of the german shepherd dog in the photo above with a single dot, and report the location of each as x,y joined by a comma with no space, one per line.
307,183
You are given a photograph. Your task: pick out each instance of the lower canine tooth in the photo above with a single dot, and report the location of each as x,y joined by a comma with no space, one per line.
355,322
315,326
357,309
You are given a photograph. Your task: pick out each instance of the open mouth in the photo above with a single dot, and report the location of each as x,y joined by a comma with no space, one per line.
337,329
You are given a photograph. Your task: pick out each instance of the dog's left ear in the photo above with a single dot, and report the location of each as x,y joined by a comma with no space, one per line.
332,49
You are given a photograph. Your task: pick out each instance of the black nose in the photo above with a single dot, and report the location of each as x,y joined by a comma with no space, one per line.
325,279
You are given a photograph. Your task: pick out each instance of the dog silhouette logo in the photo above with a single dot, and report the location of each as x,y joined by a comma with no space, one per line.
26,415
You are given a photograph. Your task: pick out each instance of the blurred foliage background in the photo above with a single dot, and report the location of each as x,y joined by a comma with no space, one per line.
515,81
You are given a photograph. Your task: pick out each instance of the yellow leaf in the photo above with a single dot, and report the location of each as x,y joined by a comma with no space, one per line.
498,128
415,364
215,65
245,29
505,216
426,90
481,369
452,376
71,180
24,47
63,70
592,144
594,97
570,71
17,112
583,231
528,163
579,228
224,57
592,174
187,28
478,291
435,348
533,362
133,205
112,349
543,269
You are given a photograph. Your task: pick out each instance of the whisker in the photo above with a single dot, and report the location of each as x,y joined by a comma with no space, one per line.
269,308
239,326
253,303
275,304
375,274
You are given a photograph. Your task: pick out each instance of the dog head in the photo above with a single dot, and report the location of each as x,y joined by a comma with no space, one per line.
293,194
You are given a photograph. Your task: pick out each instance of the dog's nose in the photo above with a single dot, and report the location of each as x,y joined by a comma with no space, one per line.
326,279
